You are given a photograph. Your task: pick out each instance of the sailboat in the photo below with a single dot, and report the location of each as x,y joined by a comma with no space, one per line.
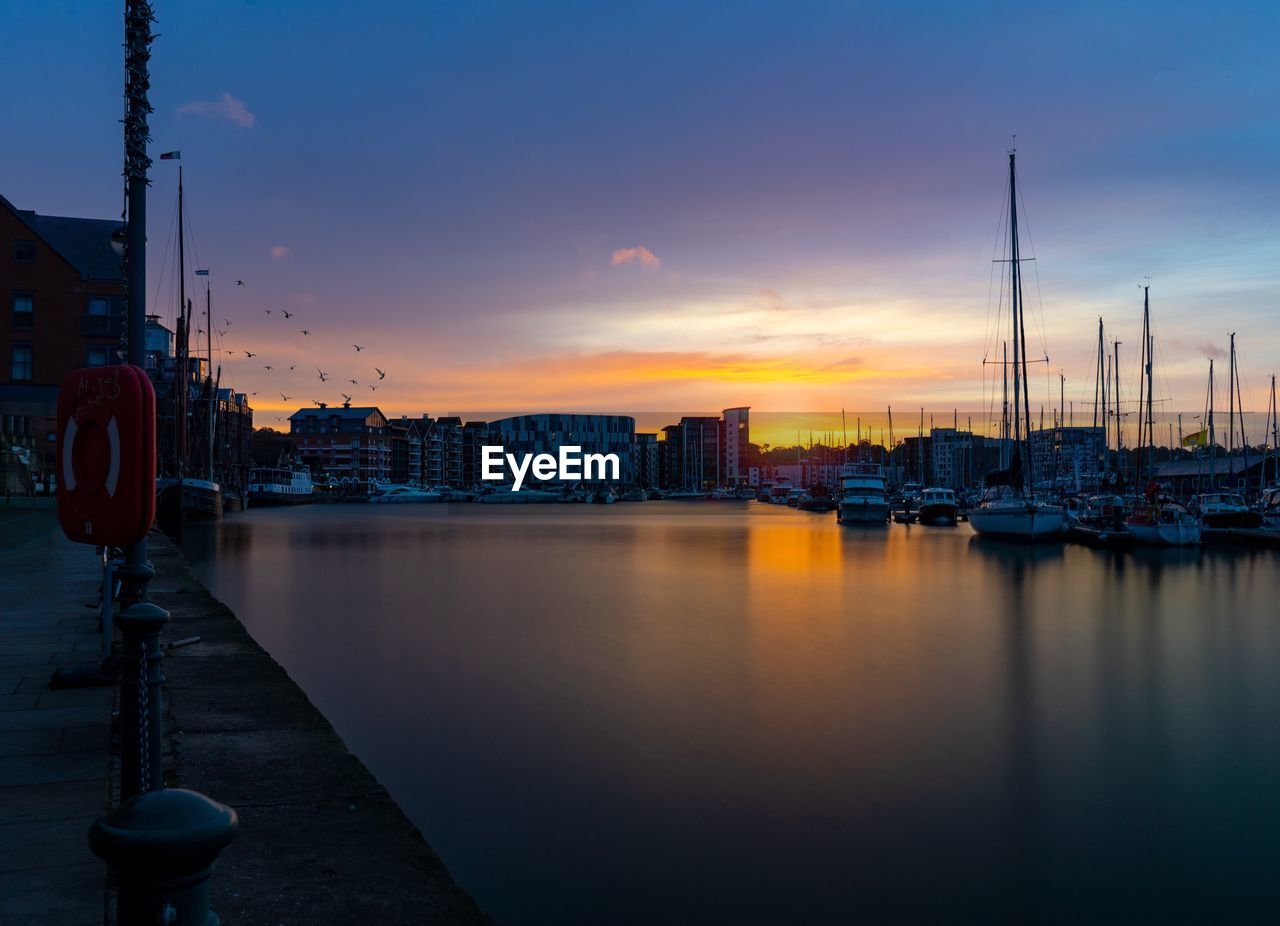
1156,520
1010,507
179,492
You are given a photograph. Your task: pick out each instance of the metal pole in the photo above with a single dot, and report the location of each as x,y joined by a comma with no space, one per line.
140,620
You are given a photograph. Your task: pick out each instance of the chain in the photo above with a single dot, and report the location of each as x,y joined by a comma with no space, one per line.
144,727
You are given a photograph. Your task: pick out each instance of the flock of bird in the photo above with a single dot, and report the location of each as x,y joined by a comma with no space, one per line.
321,374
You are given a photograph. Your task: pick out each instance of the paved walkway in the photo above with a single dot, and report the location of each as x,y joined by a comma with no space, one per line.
53,744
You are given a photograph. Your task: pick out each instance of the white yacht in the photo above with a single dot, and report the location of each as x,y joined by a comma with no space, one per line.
1163,524
862,494
780,490
398,495
1007,512
274,485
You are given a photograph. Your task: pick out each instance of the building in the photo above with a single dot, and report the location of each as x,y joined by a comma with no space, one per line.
702,452
1201,473
348,446
62,307
1068,456
533,434
475,436
737,437
950,458
646,457
670,457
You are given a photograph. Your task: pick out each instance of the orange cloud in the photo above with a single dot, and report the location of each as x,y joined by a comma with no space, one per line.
640,255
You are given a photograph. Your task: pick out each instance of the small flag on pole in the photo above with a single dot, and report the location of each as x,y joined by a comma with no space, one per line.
1198,439
171,156
202,273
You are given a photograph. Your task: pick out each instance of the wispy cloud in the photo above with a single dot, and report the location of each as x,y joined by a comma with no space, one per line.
1209,349
637,255
280,252
224,107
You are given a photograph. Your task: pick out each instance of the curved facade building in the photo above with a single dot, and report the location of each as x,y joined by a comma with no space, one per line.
547,433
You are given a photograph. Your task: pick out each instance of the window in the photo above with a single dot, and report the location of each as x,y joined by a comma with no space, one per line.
24,252
20,370
99,355
23,312
99,306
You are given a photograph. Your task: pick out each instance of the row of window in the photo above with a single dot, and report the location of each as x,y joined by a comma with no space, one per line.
21,365
15,425
24,252
102,311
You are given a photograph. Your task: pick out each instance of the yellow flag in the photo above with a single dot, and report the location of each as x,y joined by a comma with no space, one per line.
1198,439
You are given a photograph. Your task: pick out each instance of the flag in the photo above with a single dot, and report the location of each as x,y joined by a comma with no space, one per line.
171,156
1198,439
202,273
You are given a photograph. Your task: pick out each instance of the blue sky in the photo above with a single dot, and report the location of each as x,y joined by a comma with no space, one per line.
815,188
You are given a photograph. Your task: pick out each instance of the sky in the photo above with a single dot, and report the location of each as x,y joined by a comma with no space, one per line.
681,206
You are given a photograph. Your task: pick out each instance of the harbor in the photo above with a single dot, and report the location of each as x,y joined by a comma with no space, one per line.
591,464
902,722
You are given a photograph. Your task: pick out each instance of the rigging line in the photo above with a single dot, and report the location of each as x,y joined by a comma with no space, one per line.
164,261
1035,270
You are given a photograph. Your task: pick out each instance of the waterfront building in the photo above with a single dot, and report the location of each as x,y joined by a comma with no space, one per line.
670,459
701,452
1190,476
347,445
444,458
475,436
1068,457
950,453
737,437
61,308
546,433
646,456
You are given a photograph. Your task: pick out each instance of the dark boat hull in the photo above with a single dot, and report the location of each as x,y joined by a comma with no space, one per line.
938,513
190,501
1248,520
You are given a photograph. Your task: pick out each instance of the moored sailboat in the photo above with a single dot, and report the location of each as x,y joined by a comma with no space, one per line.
1010,508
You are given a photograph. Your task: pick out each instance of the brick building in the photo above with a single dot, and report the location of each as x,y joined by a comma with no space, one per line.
62,307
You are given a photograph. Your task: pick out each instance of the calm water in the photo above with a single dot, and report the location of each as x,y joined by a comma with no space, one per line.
684,712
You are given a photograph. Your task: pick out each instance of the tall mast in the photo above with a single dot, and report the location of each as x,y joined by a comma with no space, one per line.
1231,399
180,373
1004,405
1115,372
208,330
1213,441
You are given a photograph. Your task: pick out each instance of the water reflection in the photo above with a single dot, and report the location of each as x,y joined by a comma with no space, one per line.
669,712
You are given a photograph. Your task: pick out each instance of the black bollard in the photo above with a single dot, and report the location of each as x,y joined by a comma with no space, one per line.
162,846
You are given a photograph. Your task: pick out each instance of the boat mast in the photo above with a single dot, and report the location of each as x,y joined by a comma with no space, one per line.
1004,406
180,374
208,330
1115,372
1213,441
1244,441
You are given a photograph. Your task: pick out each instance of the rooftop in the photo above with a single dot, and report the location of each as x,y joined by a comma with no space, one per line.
83,243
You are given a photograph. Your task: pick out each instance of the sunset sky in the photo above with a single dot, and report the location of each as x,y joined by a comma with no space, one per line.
680,206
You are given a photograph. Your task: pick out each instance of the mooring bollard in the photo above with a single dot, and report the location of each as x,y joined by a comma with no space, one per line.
162,846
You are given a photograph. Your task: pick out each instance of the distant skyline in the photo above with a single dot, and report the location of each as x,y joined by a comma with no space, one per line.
631,208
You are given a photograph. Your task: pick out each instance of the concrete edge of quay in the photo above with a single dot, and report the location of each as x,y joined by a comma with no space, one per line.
320,839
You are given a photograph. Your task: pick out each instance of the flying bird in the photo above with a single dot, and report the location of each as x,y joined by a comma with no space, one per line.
357,347
317,402
373,388
199,331
353,382
345,396
323,375
250,354
284,397
255,393
227,322
291,367
267,366
268,311
287,313
239,282
381,374
305,331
